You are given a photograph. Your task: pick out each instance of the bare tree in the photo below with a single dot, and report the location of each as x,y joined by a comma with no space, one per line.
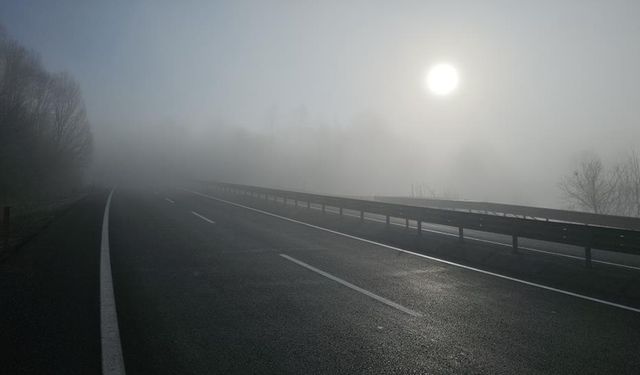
46,138
19,75
628,189
590,187
70,130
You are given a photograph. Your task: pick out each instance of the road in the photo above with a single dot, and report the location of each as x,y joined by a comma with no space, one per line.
204,286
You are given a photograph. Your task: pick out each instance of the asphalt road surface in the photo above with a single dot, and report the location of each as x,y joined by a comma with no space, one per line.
203,286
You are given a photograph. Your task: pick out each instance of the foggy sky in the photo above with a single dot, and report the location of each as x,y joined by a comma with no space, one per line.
540,82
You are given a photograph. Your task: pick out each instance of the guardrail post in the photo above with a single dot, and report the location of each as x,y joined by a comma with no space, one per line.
515,244
587,256
460,233
406,223
361,216
6,225
340,212
419,227
387,221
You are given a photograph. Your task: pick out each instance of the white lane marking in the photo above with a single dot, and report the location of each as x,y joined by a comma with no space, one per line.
354,287
203,218
545,287
170,200
112,360
466,237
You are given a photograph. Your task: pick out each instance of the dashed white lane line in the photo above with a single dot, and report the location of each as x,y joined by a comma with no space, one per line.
529,283
170,200
203,218
112,361
354,287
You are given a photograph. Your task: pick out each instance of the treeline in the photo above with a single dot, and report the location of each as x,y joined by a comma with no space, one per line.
595,187
45,138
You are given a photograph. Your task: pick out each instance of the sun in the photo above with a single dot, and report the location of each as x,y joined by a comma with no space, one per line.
442,79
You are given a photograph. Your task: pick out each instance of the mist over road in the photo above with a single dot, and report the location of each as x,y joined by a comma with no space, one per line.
256,148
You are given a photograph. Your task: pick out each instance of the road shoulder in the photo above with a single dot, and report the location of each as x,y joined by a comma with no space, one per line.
49,296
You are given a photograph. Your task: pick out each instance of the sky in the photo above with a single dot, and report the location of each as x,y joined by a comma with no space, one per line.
540,82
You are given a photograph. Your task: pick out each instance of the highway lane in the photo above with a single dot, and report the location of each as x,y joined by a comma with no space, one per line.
606,281
232,294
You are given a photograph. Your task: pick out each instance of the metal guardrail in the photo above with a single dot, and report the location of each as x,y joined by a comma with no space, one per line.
613,221
583,235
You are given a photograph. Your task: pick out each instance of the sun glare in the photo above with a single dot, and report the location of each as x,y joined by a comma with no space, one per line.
442,79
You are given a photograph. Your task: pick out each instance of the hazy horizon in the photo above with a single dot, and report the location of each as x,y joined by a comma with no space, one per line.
330,96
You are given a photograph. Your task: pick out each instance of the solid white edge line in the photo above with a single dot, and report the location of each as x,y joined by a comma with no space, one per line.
203,218
354,287
112,360
565,292
170,200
